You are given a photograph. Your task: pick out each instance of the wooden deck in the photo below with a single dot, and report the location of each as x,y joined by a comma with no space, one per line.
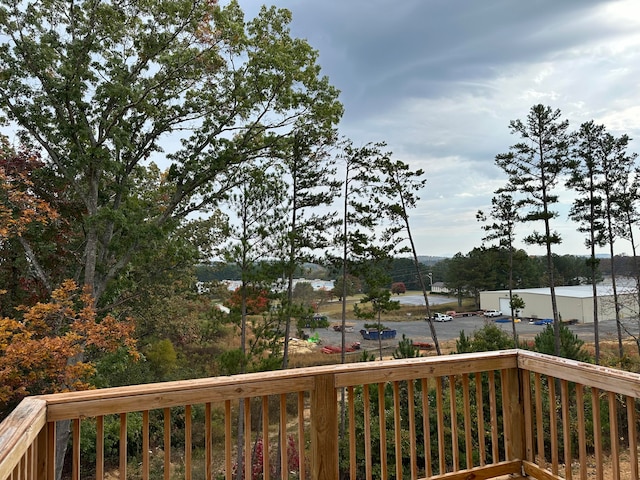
472,416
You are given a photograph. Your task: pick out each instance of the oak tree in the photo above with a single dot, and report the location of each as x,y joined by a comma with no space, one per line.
104,88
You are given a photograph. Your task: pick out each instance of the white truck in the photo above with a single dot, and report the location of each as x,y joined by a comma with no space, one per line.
441,317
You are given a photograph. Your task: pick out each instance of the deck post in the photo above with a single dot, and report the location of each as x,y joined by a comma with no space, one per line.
324,429
514,415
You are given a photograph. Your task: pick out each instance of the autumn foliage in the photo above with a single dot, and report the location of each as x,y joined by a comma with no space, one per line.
46,350
19,206
257,300
398,288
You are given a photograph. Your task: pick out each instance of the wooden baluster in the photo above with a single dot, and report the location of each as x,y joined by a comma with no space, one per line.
633,436
481,428
382,422
597,432
248,460
187,442
397,428
284,460
146,448
493,408
123,445
466,402
525,381
100,447
582,431
266,462
441,439
566,429
613,433
208,440
412,429
352,432
167,444
553,424
301,445
367,432
539,421
426,426
454,423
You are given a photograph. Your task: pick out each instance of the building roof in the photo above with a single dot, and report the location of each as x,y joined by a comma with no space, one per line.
574,291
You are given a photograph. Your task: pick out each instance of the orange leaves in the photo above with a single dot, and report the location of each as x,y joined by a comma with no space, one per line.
44,352
19,206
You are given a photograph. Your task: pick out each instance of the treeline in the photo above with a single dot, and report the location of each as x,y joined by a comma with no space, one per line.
480,269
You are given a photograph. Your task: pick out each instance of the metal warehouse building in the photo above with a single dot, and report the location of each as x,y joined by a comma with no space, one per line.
574,302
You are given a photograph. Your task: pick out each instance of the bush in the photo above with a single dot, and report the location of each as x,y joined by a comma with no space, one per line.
570,344
487,339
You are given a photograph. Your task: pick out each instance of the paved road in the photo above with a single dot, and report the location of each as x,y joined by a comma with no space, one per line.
418,330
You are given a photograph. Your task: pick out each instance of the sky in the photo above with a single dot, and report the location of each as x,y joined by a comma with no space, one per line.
440,80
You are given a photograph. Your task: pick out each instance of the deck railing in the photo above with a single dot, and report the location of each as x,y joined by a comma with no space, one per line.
478,416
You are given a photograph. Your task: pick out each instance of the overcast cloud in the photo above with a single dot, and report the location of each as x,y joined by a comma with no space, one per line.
439,81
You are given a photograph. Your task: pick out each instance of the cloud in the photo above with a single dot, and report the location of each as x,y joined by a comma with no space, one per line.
440,81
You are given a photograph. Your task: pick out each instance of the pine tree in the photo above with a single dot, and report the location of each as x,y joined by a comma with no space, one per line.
534,167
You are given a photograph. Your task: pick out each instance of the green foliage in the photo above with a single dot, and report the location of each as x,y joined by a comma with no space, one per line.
142,74
570,344
366,356
162,358
304,294
218,271
406,349
517,302
118,368
488,338
111,440
353,285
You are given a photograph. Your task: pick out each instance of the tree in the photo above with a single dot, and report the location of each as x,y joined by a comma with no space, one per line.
39,350
305,160
630,194
533,167
348,288
304,295
587,207
361,214
255,210
99,85
27,220
406,349
400,186
570,344
380,302
486,339
504,211
254,300
398,288
617,165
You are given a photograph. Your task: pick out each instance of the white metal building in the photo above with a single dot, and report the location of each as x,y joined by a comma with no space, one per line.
574,302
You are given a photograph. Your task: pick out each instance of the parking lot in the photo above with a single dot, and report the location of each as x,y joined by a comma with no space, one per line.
418,330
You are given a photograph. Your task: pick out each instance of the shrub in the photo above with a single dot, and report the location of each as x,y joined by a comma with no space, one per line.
488,338
570,344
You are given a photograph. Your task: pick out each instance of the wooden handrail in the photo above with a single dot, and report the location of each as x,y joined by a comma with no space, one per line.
512,382
19,432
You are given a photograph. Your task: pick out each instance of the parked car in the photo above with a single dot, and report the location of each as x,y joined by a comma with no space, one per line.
492,313
441,317
541,321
